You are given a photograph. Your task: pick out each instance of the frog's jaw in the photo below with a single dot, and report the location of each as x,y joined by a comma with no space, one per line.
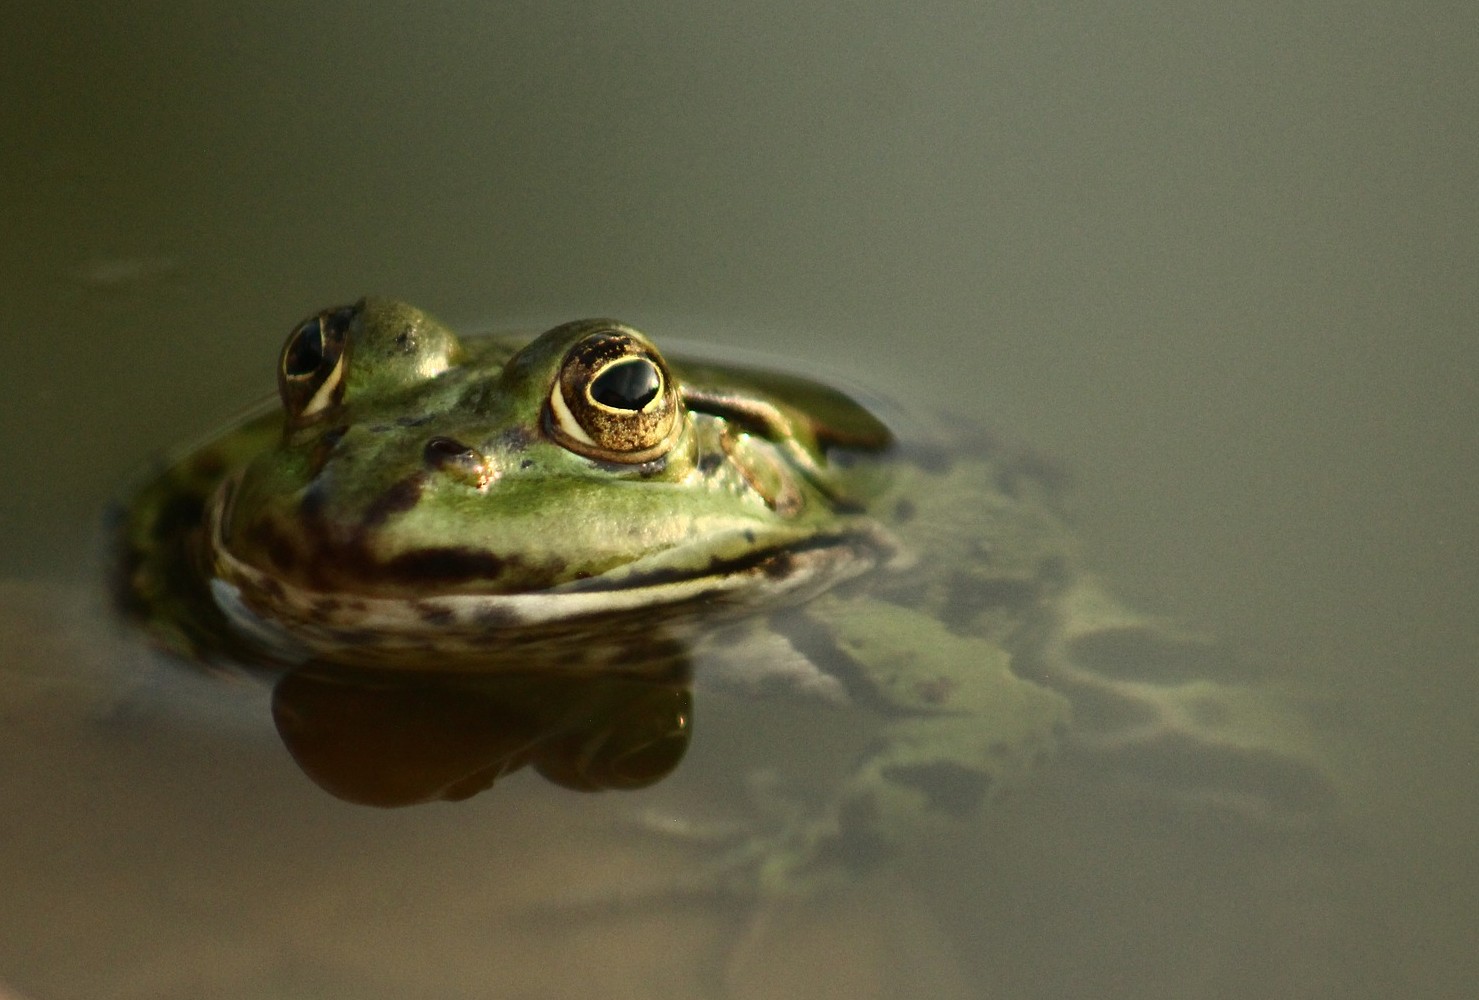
472,631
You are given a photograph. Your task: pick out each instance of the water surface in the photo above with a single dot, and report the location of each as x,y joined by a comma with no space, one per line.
1219,262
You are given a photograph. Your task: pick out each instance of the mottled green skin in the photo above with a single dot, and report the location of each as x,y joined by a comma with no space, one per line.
551,516
950,603
346,504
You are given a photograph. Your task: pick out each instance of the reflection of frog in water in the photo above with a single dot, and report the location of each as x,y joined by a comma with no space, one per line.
390,738
578,506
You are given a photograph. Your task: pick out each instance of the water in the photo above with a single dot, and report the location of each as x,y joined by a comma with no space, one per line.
1218,261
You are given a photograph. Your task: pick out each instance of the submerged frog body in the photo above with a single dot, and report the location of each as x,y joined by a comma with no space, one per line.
579,505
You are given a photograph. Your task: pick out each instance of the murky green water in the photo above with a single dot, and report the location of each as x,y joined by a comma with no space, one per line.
1218,261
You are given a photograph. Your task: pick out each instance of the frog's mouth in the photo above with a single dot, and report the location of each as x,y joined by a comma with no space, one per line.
471,631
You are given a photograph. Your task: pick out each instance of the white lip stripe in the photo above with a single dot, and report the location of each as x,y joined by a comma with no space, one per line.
543,607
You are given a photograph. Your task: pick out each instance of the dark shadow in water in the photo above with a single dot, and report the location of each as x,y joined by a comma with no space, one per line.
383,738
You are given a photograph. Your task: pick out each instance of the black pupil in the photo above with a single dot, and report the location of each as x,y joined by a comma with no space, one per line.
627,385
306,352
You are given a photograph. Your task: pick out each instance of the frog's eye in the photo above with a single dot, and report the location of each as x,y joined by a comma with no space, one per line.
310,373
614,400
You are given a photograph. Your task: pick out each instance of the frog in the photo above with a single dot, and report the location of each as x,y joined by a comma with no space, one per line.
422,505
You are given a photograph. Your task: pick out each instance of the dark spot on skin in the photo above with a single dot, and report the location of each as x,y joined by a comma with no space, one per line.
750,535
280,551
412,421
515,439
311,506
495,618
324,447
780,566
858,846
283,556
405,341
399,498
527,463
448,564
815,642
434,614
935,690
709,462
969,596
354,636
949,788
904,511
322,610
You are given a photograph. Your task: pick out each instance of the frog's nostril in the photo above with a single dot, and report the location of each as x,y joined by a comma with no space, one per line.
444,449
458,460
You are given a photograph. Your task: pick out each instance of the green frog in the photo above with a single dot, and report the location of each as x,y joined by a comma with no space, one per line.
580,505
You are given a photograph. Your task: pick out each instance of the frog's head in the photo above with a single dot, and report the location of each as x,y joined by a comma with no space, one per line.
569,476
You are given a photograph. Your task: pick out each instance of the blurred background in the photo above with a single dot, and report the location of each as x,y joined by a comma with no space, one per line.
1218,260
